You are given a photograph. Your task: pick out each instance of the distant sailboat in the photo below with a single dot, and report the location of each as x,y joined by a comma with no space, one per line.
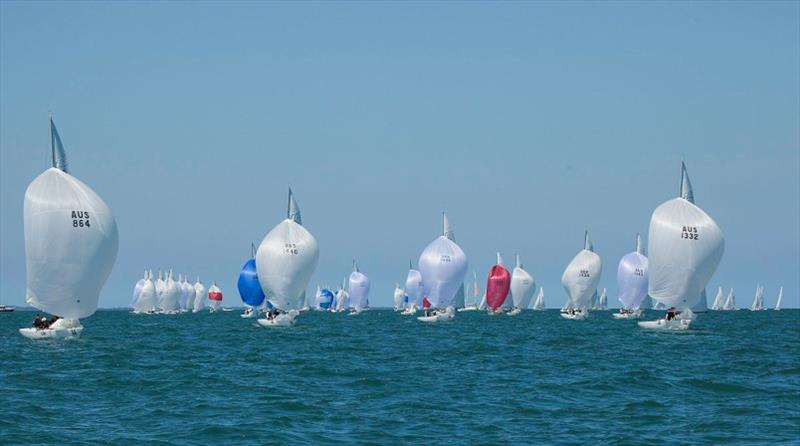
414,290
758,300
324,299
474,305
214,297
443,265
249,287
399,298
137,290
342,298
632,282
522,288
539,305
498,284
685,246
730,302
147,301
285,261
170,297
199,296
190,294
358,290
580,280
719,300
780,298
71,243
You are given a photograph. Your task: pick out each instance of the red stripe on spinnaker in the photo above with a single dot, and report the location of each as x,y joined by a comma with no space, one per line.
497,286
215,295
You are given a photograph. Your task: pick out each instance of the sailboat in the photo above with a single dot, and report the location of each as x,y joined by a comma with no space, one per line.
758,300
249,287
214,297
719,300
443,265
602,303
71,243
285,261
358,290
190,294
399,298
522,288
778,302
137,290
580,280
632,282
498,284
324,300
148,300
730,302
685,246
414,290
475,304
342,298
539,305
170,297
199,296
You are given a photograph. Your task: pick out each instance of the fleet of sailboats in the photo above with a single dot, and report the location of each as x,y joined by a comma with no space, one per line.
63,216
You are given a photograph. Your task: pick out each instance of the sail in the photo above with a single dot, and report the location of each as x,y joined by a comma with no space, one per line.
475,289
358,290
148,301
414,287
71,241
190,294
581,276
286,259
498,285
632,278
170,297
685,247
718,300
137,289
215,296
443,265
522,286
199,296
324,299
539,304
398,296
780,298
730,302
602,303
249,288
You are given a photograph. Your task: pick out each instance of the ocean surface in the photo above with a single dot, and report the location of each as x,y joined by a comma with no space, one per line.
383,378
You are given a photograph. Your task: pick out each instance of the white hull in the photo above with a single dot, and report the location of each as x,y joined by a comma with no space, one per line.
445,316
665,325
60,329
249,315
281,320
409,311
470,308
577,316
514,312
632,315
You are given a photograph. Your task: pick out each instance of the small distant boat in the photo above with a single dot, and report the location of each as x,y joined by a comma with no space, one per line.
71,243
778,302
199,296
522,288
580,280
758,300
342,298
145,298
730,302
685,246
632,281
6,309
399,298
475,304
358,290
215,297
719,300
539,305
324,299
498,285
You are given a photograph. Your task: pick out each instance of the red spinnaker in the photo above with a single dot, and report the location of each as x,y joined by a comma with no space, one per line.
215,295
426,303
497,286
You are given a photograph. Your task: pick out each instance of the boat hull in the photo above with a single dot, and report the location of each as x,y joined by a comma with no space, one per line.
281,320
60,329
579,316
665,325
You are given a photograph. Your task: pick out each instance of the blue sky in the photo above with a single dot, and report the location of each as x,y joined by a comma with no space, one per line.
526,122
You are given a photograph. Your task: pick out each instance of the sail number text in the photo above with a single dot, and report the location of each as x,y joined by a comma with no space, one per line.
690,233
290,248
583,273
80,219
445,258
638,272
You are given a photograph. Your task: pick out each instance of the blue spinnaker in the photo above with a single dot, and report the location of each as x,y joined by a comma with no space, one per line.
326,299
249,288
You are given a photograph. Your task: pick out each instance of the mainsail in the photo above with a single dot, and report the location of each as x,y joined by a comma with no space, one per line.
780,298
632,278
730,302
582,275
539,304
685,247
358,289
522,286
719,300
71,240
497,284
443,265
286,259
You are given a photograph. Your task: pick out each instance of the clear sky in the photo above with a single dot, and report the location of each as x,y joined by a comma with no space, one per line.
526,122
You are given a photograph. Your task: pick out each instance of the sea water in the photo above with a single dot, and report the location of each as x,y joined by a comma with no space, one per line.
383,378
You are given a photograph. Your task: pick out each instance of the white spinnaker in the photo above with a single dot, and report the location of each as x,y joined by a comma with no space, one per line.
159,284
148,301
414,287
190,294
522,286
71,243
443,265
358,290
137,289
685,247
199,296
632,277
398,296
170,297
286,259
582,275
